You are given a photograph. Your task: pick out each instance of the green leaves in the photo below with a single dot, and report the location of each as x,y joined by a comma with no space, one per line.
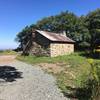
93,25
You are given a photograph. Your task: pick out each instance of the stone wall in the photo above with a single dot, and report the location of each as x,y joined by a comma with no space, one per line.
40,46
38,50
57,49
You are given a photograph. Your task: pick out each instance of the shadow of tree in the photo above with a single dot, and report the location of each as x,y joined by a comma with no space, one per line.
9,73
77,93
90,55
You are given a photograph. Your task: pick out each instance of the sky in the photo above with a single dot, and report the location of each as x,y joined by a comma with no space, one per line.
16,14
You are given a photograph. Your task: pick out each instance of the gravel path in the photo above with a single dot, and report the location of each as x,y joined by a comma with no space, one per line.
20,81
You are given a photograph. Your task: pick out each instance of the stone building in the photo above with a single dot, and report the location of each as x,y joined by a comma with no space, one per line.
50,44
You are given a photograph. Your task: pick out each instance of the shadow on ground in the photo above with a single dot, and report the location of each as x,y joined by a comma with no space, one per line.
77,93
9,73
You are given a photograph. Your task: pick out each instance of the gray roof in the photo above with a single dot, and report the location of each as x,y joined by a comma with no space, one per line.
55,37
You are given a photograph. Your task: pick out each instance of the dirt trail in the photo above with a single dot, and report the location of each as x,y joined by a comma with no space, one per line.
7,58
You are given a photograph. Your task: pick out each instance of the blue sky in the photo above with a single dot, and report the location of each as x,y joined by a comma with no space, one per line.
16,14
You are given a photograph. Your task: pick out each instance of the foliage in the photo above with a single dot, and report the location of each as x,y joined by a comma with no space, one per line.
65,21
7,52
24,36
84,45
92,22
92,83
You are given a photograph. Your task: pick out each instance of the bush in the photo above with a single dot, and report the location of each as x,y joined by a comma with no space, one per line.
92,83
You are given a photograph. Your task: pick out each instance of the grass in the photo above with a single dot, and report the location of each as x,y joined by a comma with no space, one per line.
7,52
76,69
75,59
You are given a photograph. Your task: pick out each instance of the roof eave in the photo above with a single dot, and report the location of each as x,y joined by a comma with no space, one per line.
63,42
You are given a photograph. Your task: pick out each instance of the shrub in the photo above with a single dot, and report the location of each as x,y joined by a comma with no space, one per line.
92,83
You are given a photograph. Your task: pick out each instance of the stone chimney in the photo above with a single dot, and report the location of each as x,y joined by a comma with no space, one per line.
64,33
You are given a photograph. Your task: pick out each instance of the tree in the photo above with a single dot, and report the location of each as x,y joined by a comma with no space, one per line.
24,36
93,25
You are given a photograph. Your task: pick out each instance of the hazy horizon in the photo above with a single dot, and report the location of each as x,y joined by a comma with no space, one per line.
3,47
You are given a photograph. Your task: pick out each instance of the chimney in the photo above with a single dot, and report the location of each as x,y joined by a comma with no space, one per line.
64,33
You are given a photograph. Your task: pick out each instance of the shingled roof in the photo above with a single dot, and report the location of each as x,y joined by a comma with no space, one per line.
55,37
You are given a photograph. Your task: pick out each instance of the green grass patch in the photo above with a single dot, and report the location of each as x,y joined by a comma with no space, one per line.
7,52
73,59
